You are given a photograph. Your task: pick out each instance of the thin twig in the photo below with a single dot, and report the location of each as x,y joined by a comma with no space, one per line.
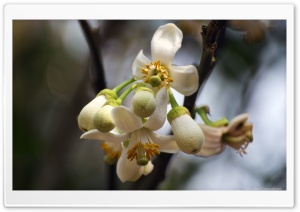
212,37
99,83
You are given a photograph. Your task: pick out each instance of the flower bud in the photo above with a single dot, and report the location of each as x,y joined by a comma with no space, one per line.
155,81
188,135
102,119
143,103
85,117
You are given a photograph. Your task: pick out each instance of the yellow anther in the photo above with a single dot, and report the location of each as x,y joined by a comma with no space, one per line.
156,69
140,150
110,152
145,70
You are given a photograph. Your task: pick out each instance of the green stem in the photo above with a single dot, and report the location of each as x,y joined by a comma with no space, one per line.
172,99
125,93
118,88
222,122
203,111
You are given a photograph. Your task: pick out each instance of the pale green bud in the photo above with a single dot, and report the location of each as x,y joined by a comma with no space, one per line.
102,119
143,103
85,117
188,135
155,81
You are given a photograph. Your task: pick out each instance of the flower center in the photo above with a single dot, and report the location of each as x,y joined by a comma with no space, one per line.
111,151
156,74
142,152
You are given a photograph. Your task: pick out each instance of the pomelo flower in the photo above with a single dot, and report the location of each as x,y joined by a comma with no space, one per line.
139,141
159,71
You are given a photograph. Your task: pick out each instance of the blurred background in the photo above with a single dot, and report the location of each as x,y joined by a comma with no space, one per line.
54,77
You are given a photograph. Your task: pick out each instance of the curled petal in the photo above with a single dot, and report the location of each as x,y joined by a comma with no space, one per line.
109,137
185,79
158,118
165,43
237,122
213,141
125,119
140,61
167,143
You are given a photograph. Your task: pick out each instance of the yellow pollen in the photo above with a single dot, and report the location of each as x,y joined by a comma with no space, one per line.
151,150
110,151
155,68
145,70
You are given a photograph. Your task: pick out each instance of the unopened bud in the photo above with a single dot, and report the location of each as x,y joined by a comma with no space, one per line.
155,81
85,117
102,119
188,135
143,104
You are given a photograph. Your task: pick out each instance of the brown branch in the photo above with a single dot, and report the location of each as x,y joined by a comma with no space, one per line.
99,83
212,37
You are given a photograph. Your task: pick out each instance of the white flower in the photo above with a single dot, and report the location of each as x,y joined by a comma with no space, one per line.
160,72
237,134
143,142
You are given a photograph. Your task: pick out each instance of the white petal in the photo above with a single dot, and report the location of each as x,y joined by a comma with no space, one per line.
125,119
165,43
167,143
185,79
140,61
109,137
158,118
148,168
213,141
128,170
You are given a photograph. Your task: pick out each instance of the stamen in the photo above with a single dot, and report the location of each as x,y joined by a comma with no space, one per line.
156,69
143,152
243,148
145,70
110,152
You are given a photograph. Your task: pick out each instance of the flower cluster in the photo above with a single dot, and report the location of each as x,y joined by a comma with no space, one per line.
128,134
